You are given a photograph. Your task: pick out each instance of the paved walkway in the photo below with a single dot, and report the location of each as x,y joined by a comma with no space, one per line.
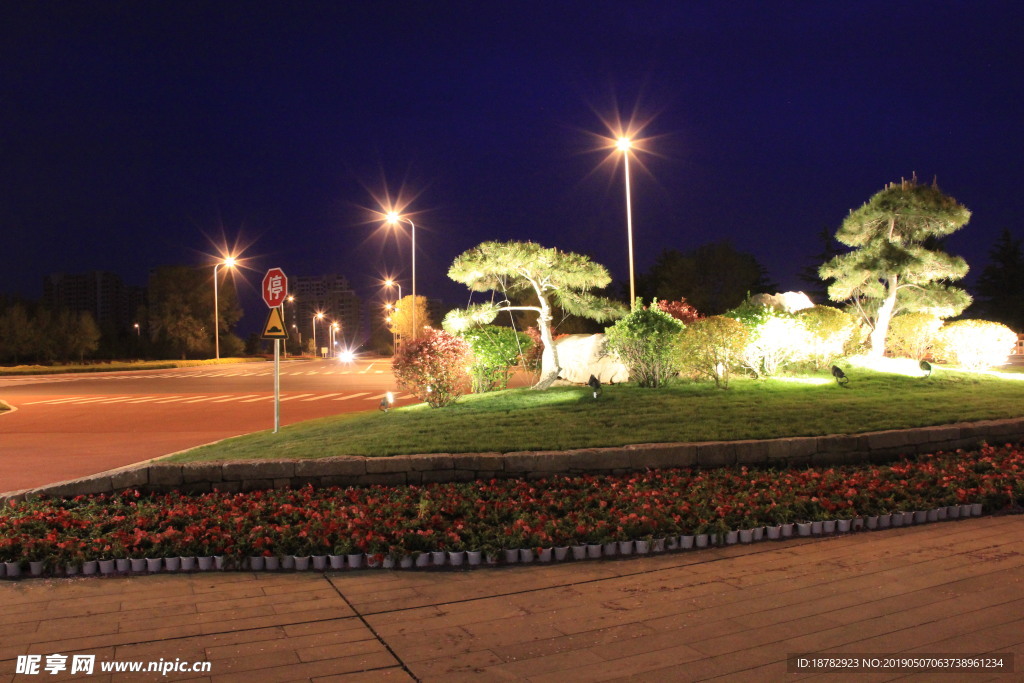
732,613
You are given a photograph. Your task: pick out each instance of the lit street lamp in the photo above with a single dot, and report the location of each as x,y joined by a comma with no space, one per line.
316,316
334,330
230,263
393,219
624,144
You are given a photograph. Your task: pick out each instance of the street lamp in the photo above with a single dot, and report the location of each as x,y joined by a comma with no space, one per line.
393,219
316,316
334,330
230,263
624,144
138,332
291,299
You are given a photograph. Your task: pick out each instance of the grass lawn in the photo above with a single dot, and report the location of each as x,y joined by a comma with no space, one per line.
567,417
117,366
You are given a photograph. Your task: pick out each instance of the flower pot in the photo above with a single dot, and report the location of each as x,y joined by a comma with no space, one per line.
121,565
941,513
816,528
625,547
354,560
828,526
774,532
491,558
952,512
13,569
172,564
138,564
758,533
920,516
858,524
288,562
474,557
976,510
561,553
188,564
388,562
787,530
700,540
336,561
35,567
511,555
579,552
257,563
884,521
658,545
373,561
932,515
732,537
871,522
154,564
106,567
437,558
320,562
272,563
301,564
219,562
642,547
672,543
965,510
609,549
843,526
406,562
545,555
803,528
456,558
70,569
89,568
908,518
897,519
423,560
746,535
3,569
686,542
593,551
205,563
526,554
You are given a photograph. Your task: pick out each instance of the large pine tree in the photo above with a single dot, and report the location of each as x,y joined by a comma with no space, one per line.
1001,285
895,264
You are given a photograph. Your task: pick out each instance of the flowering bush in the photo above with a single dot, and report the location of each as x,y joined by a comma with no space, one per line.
912,335
433,367
488,515
775,338
829,332
645,340
975,344
680,310
710,347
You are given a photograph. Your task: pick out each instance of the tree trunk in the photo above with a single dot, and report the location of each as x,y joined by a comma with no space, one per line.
549,367
882,319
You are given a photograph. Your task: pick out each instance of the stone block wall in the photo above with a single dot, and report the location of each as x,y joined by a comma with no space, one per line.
836,449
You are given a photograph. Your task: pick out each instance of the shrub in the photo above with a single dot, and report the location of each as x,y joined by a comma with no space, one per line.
975,344
433,367
495,350
912,335
829,331
680,310
645,340
775,338
711,346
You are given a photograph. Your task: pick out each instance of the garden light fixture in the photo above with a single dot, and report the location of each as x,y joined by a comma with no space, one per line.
841,378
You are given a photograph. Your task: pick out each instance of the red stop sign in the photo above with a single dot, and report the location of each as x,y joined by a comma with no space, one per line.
275,287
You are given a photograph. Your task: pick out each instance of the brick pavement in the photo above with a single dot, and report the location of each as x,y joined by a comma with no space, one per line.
733,613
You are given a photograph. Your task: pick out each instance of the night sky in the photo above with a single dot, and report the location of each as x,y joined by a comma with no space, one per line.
139,134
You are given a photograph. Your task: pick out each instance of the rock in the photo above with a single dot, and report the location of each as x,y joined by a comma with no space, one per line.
583,355
790,302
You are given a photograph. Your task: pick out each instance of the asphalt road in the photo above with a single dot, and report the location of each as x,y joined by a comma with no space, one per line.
73,425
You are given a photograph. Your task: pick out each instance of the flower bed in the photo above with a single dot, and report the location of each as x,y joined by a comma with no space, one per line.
506,520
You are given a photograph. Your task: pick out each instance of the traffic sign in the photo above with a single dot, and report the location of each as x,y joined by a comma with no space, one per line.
275,329
275,287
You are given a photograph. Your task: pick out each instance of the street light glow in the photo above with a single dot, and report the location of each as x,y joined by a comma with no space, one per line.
623,144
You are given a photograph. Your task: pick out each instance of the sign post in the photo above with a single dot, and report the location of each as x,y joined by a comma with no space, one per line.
275,289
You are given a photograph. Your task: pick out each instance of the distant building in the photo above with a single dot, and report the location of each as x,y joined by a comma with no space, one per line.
112,304
334,297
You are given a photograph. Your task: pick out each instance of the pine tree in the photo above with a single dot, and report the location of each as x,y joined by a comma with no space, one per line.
1001,285
894,265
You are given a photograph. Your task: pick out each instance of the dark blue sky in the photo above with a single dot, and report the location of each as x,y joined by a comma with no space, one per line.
132,133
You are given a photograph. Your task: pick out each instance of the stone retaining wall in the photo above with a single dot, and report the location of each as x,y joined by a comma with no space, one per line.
161,476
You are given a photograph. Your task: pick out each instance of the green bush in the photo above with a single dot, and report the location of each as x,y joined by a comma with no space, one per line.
433,367
975,344
829,331
912,335
495,350
710,347
645,340
775,338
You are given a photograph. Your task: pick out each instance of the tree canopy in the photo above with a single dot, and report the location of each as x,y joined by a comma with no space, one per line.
554,276
1001,285
896,262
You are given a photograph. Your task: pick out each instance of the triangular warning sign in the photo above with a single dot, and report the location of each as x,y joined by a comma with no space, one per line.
275,329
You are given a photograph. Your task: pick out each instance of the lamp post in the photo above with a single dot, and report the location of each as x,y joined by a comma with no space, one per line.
291,299
394,219
334,330
316,316
624,144
230,263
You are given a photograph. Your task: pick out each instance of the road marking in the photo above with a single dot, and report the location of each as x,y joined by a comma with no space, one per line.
54,400
172,400
345,398
119,399
233,398
322,396
288,398
80,400
149,398
208,398
253,400
368,368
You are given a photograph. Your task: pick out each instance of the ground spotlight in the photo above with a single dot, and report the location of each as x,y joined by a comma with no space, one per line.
926,368
595,385
387,401
841,378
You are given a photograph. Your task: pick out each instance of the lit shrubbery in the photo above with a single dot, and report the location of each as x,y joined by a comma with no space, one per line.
680,310
709,347
829,333
433,367
975,344
645,340
912,335
495,350
775,338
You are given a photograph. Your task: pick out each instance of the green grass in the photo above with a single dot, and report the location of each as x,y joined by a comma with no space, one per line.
119,366
567,417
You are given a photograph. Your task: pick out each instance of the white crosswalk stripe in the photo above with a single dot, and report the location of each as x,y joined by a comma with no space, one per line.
293,396
233,398
201,399
345,398
321,397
